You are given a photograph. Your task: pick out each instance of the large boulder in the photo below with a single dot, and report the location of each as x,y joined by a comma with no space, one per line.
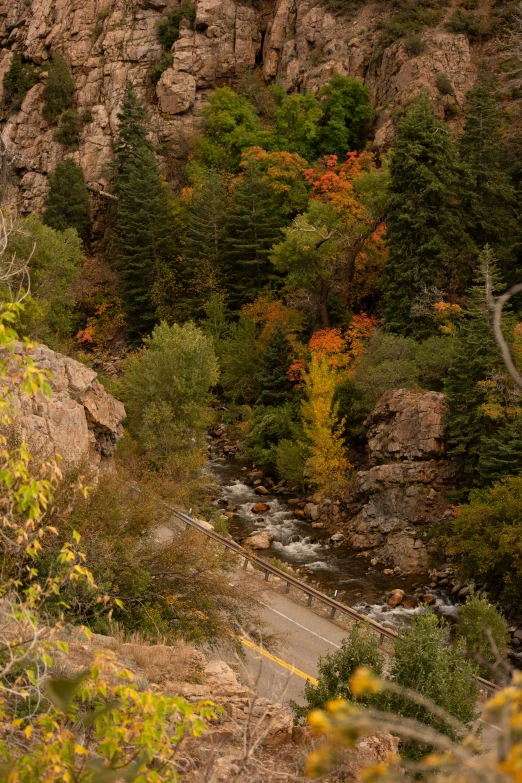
407,425
81,422
402,491
261,540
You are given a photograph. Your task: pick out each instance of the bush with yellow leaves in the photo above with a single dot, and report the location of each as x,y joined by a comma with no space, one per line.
468,760
98,726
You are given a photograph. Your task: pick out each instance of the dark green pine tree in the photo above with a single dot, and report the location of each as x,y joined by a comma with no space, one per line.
501,453
492,199
426,225
18,80
143,215
475,360
272,378
252,227
203,251
67,203
59,88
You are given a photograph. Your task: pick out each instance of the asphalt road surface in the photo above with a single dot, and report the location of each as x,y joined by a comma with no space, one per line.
302,637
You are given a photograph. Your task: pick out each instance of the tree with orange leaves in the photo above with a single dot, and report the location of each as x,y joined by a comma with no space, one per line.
337,245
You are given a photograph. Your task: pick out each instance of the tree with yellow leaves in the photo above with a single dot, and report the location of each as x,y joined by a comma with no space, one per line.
328,465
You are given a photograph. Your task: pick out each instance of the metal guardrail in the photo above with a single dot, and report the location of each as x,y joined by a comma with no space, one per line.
291,581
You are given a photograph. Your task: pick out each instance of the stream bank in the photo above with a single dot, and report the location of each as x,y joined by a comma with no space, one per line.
315,555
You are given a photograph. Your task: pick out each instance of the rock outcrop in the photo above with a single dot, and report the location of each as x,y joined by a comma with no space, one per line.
80,422
296,43
402,490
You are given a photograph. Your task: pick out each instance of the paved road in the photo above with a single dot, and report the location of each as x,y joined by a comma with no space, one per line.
302,637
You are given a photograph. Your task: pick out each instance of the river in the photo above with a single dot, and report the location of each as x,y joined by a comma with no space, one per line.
310,551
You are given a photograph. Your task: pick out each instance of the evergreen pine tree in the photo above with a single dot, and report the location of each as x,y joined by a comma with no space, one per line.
501,453
492,199
67,203
142,215
475,359
18,80
205,236
425,223
252,227
272,378
59,88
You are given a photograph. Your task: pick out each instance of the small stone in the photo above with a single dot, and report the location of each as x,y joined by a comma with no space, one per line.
299,513
409,603
259,508
318,524
428,599
261,490
388,571
463,592
518,634
337,538
293,501
374,561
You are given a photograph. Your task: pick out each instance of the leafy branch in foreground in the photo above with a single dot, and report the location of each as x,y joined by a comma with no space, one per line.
97,726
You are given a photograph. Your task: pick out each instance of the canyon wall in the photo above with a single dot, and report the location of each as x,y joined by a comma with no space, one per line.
297,43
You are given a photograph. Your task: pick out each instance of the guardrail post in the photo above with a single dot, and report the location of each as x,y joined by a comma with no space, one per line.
267,576
332,613
245,564
287,588
310,599
381,639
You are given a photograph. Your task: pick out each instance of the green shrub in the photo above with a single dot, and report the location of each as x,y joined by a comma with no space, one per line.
167,390
346,8
468,23
270,426
425,662
290,459
487,535
168,28
70,125
54,264
155,72
414,44
174,588
18,80
410,17
360,648
477,619
59,88
444,85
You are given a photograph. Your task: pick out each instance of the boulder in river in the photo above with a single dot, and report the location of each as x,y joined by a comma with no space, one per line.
395,598
259,508
261,540
261,490
428,599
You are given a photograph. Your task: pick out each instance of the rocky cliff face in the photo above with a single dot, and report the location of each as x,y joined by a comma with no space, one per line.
297,43
402,491
80,422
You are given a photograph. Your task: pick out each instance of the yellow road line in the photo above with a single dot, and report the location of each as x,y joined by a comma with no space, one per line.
279,661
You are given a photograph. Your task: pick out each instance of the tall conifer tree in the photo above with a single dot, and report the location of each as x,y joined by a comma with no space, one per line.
205,238
67,203
425,222
252,227
475,360
492,200
273,380
142,215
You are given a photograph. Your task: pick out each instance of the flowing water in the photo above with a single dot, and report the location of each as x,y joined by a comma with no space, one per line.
310,551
